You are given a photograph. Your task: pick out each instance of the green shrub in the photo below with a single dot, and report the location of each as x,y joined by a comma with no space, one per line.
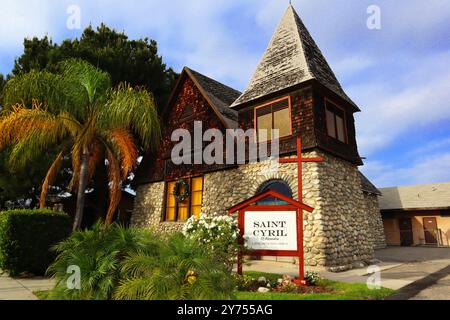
118,263
181,271
98,253
26,238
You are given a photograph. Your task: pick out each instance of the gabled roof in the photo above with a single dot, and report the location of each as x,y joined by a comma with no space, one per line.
291,58
266,194
368,186
419,197
218,95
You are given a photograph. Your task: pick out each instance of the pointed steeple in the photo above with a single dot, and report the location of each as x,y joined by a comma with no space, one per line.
291,58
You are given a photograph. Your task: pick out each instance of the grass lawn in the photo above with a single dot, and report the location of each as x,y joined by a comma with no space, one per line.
41,295
341,291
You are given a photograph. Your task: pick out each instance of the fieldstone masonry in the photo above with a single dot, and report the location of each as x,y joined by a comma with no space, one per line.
148,206
375,221
336,233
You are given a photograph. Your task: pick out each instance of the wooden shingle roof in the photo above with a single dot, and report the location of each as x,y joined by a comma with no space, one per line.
219,95
367,186
291,58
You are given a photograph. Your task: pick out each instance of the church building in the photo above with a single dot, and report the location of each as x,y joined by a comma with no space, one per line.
294,90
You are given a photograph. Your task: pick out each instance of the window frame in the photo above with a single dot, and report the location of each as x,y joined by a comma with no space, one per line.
331,107
166,193
255,118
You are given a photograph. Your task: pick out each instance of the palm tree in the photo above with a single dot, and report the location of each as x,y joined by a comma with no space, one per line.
76,113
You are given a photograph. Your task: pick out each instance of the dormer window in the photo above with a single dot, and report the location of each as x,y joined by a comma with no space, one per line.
336,126
275,115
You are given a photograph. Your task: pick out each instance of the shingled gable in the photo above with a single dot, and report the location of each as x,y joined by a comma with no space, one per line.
291,58
368,186
218,95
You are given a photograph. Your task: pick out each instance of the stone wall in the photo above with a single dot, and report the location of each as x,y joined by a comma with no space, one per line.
375,221
343,228
336,234
148,206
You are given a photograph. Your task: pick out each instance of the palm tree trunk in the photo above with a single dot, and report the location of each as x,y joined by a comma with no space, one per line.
81,195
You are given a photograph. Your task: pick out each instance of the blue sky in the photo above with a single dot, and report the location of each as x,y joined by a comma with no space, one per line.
399,75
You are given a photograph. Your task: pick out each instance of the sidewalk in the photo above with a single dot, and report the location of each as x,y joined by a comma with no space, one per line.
22,289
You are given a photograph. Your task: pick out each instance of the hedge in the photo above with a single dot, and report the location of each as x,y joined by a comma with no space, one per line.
26,238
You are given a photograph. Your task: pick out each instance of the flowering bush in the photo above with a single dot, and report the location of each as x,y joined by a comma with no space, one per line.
245,283
249,283
312,278
286,285
218,234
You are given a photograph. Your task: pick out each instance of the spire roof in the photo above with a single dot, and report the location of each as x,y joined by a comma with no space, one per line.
291,58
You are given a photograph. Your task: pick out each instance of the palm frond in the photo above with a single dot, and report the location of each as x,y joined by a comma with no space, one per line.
94,158
122,141
50,178
96,83
135,289
51,90
71,123
133,109
35,85
77,150
17,124
31,132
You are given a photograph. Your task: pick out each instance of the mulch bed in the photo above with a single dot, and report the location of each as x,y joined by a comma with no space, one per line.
307,290
298,290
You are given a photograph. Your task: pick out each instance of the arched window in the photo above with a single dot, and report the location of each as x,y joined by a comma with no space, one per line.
278,186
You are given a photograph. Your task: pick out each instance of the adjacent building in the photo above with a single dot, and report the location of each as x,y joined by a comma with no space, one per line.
416,215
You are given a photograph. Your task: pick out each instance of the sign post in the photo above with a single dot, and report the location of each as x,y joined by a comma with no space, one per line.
272,230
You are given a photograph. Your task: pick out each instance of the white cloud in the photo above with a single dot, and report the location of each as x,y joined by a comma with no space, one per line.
431,148
19,20
393,105
350,65
192,33
428,169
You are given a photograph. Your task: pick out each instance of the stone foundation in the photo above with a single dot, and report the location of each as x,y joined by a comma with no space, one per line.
337,234
148,206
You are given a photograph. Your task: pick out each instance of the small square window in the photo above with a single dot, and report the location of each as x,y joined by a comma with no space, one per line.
273,116
335,121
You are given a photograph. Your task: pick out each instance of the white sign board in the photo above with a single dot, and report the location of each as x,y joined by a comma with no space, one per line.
274,230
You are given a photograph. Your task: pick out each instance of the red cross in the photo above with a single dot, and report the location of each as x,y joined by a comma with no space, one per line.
299,160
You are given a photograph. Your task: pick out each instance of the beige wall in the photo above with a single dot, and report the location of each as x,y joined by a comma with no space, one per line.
392,232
